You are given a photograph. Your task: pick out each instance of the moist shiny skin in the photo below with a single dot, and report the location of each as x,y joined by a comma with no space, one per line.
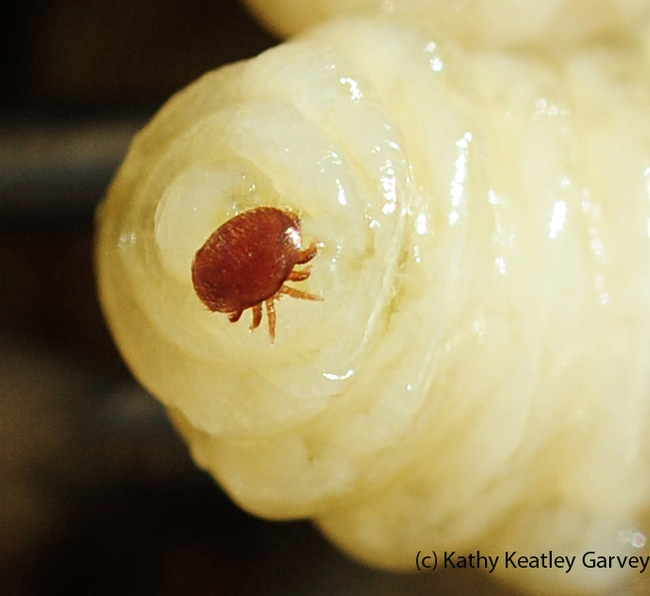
476,375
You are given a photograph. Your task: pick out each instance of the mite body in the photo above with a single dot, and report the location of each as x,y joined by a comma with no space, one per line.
247,261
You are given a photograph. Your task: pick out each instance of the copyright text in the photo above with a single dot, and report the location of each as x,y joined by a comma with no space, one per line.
432,560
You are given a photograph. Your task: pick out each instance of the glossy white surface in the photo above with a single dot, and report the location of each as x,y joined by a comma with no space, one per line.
477,375
482,23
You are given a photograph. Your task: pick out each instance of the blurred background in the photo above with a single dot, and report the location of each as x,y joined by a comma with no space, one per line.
97,494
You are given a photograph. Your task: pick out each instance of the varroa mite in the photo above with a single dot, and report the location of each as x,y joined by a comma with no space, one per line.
247,261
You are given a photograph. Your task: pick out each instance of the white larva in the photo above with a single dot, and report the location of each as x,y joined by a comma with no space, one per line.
477,374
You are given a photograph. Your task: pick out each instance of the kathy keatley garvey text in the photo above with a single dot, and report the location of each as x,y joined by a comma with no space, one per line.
429,561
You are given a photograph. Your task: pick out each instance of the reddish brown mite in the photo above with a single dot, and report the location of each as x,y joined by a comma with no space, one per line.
246,261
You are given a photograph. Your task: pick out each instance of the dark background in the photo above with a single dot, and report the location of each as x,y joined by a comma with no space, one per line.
97,494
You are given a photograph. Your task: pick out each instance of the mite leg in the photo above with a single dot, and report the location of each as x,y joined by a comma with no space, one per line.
257,316
234,316
298,294
270,313
299,275
308,254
